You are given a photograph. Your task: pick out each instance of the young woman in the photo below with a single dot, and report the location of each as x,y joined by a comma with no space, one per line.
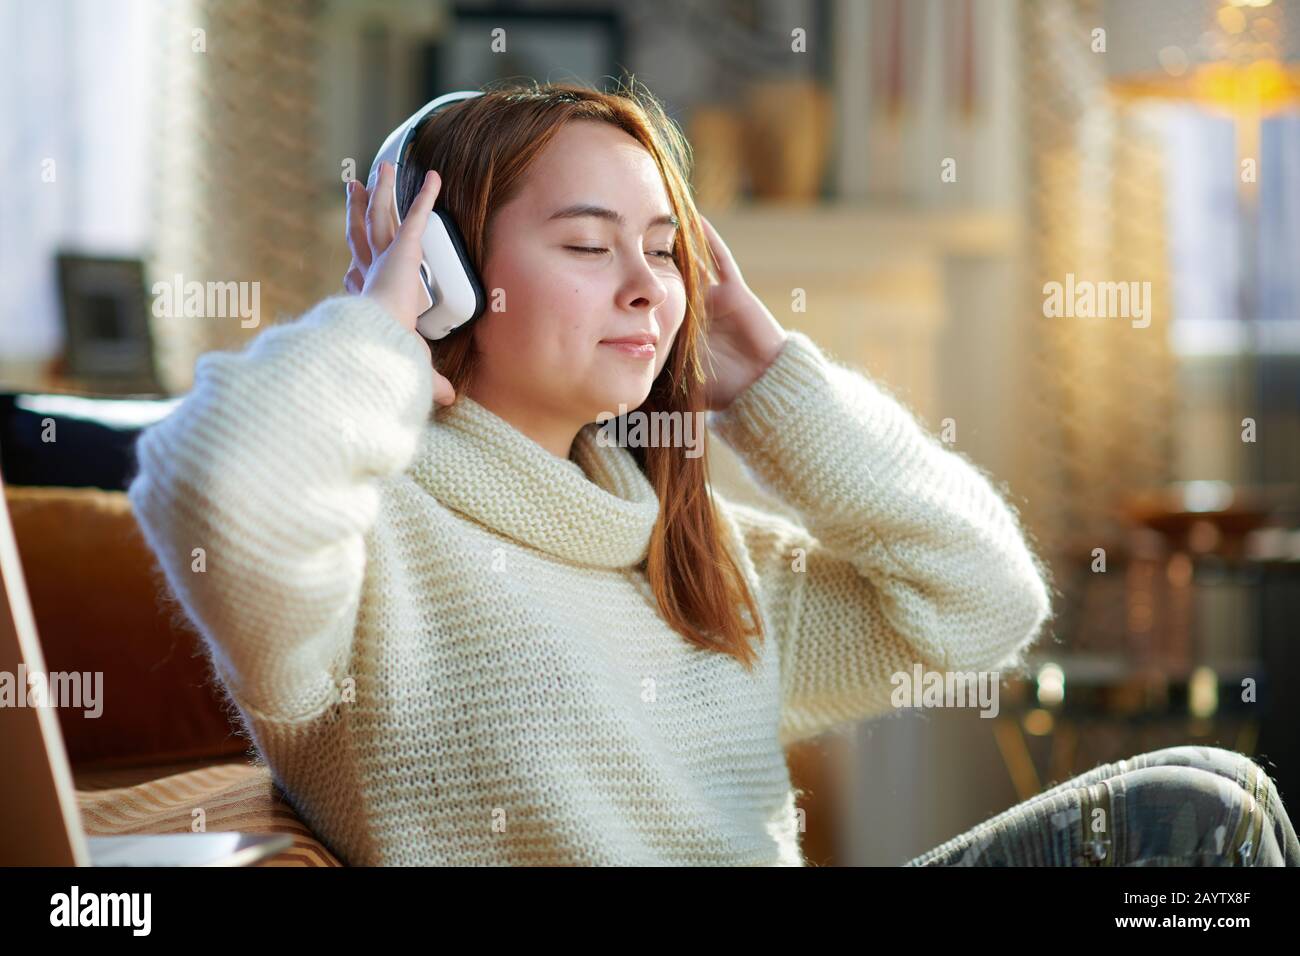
477,633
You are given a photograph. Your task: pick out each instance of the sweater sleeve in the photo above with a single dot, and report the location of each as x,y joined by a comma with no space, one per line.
256,493
904,552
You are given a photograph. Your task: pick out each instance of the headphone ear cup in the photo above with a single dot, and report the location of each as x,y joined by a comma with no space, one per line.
427,281
456,297
458,243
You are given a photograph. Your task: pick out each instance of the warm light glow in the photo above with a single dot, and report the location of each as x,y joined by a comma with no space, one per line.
1231,20
1173,59
1244,75
1203,692
1179,570
1202,496
1038,723
1264,86
1051,685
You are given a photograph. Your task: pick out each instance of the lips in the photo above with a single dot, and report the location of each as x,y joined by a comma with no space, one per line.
640,346
639,338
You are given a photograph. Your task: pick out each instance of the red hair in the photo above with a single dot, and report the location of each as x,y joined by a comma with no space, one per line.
483,148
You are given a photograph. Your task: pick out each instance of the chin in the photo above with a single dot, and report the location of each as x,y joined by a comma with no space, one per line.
629,395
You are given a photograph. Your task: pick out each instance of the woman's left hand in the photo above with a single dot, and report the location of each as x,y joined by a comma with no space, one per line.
742,335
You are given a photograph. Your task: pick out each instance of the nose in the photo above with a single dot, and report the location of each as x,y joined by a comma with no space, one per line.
644,289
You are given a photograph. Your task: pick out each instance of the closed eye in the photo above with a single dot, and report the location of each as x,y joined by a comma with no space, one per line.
593,250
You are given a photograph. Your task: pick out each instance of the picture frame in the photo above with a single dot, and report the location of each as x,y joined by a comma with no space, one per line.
105,313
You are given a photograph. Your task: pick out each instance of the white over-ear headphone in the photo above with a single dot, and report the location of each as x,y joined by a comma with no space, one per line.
454,293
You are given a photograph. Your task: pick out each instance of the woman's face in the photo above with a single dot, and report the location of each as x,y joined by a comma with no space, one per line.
544,351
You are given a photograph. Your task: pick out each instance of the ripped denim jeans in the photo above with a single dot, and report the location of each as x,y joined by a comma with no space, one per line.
1181,806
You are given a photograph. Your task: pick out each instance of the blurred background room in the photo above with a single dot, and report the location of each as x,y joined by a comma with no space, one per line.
904,180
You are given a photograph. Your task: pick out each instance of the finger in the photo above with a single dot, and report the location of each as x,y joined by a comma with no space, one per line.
355,280
380,214
442,389
417,217
724,264
358,244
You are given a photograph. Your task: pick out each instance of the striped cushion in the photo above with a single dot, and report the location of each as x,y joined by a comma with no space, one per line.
235,796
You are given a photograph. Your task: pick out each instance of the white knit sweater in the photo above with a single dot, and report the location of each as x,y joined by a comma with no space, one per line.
438,637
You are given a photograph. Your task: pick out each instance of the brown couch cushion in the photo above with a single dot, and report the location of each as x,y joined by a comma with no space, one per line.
100,605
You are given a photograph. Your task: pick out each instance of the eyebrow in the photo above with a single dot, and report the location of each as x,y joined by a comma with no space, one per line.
580,210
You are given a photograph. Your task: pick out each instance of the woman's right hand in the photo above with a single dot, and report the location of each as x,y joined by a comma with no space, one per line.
386,262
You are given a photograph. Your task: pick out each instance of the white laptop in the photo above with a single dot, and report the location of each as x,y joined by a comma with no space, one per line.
40,824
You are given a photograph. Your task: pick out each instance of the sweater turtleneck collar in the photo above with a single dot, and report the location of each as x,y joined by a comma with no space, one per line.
595,508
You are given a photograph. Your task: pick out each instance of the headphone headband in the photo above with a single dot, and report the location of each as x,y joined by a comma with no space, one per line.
399,140
453,293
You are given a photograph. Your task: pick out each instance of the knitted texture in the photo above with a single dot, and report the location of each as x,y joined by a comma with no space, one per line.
439,636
